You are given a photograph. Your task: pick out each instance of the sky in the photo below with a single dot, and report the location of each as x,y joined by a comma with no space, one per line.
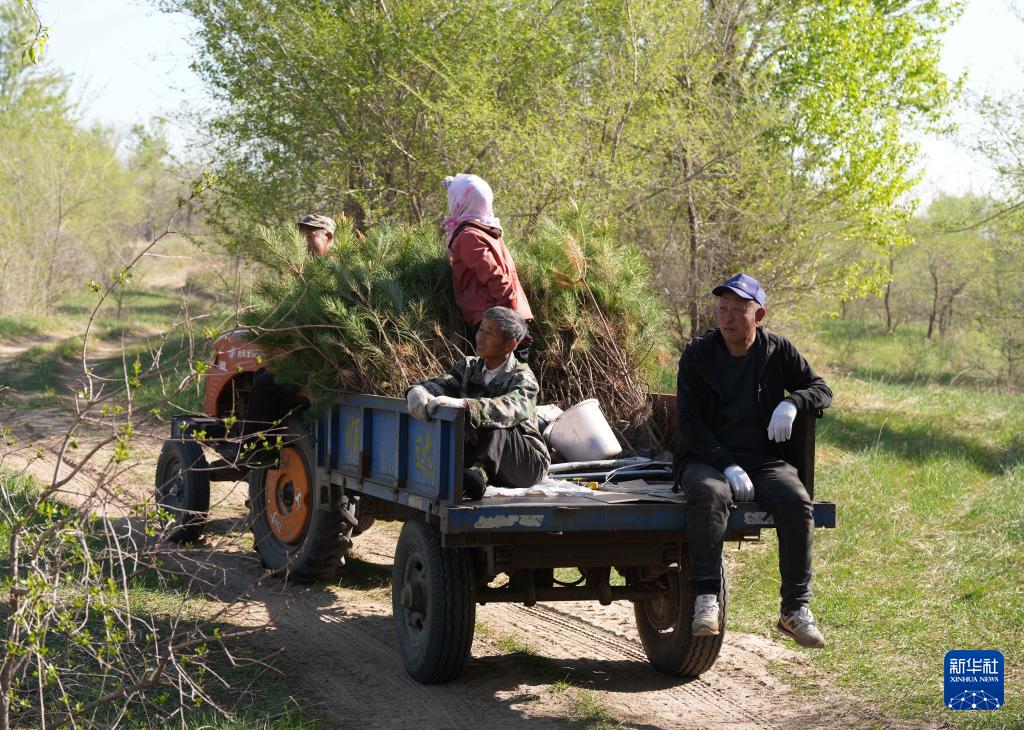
986,44
130,63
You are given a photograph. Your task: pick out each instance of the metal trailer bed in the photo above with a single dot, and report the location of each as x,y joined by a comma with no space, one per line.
453,554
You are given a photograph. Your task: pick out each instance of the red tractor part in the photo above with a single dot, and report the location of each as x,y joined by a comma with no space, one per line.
229,379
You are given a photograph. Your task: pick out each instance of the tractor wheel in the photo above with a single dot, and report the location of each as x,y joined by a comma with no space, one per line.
432,600
183,489
294,538
664,625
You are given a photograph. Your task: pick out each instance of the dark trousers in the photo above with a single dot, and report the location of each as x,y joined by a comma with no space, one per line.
270,402
779,492
506,456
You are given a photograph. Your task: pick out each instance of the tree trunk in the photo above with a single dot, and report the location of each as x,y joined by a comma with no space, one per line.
890,326
935,300
694,226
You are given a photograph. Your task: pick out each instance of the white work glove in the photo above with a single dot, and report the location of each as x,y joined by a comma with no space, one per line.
781,426
444,400
418,398
740,484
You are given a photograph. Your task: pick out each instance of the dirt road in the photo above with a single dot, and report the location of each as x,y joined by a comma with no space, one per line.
552,665
558,665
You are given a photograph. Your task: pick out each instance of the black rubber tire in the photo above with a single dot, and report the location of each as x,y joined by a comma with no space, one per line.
435,629
183,489
319,553
664,626
363,522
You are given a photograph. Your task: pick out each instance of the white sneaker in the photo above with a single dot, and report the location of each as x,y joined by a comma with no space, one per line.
802,628
705,615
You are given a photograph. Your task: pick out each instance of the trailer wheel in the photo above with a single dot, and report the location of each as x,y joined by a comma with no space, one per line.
363,521
183,488
293,537
665,632
433,604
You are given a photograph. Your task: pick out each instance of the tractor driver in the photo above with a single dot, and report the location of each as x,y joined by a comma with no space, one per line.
318,231
270,402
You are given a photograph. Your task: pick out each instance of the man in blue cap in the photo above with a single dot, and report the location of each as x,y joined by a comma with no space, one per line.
739,391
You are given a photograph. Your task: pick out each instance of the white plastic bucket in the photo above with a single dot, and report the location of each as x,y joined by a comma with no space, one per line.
582,434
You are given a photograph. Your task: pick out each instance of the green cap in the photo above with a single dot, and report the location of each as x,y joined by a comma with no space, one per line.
318,221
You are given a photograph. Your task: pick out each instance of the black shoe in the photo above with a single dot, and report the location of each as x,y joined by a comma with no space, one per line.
474,482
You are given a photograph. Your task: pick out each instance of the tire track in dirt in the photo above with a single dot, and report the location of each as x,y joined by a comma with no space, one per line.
338,649
618,670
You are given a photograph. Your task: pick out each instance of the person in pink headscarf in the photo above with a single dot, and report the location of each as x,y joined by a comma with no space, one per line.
483,272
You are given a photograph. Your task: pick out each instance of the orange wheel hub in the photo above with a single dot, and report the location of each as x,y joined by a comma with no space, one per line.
287,496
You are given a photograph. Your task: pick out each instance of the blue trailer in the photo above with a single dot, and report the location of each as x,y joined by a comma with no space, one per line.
369,459
453,554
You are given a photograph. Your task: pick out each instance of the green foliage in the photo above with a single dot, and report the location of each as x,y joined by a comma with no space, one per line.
64,195
718,136
35,41
957,280
70,208
378,312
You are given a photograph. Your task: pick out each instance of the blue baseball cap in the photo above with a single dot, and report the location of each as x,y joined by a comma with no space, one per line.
743,286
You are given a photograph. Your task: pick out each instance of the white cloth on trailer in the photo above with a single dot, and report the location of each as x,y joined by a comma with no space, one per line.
549,487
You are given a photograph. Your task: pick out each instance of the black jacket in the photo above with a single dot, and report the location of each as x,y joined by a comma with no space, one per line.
780,370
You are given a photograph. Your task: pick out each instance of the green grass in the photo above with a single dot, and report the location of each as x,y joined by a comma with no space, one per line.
44,375
143,310
864,350
514,644
17,327
33,371
584,705
927,470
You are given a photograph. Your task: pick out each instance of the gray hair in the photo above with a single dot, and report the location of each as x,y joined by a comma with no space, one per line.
509,321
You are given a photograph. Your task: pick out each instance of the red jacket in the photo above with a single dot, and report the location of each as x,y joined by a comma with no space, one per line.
484,274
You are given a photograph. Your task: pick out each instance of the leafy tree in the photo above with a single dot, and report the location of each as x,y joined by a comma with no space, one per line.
153,174
724,135
948,253
66,200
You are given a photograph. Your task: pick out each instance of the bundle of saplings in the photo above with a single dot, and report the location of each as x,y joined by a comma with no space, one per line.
378,312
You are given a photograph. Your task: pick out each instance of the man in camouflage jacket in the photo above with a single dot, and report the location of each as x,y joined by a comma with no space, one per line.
504,446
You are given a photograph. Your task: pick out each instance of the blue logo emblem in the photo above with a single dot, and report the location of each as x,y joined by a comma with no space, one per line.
974,680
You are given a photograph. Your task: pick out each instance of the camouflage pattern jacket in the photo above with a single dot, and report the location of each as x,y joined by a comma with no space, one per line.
508,401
